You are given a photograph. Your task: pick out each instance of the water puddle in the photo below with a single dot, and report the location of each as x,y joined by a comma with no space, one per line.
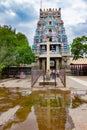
39,110
76,98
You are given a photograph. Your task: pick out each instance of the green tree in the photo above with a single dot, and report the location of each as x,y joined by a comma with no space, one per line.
24,55
14,48
79,47
7,45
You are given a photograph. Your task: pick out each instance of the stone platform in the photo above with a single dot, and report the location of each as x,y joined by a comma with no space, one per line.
47,82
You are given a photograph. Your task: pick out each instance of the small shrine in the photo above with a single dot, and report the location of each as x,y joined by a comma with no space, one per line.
79,66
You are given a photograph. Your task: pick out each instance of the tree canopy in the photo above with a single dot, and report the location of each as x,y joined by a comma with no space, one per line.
79,47
14,48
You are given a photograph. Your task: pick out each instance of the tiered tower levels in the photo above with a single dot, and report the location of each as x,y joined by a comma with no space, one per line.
51,25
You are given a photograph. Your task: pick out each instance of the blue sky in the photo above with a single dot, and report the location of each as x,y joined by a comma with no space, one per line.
24,14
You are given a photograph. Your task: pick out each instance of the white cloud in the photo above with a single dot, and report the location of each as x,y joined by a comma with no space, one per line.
75,13
10,13
5,3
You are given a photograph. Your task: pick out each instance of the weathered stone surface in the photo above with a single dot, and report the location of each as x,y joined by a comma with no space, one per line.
6,116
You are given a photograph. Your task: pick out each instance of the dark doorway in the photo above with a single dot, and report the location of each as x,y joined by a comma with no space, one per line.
50,30
52,64
50,39
50,22
52,47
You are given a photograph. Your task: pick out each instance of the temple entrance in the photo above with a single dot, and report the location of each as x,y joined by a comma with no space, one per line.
55,63
52,64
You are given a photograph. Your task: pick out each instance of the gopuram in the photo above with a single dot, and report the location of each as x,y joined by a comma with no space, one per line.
51,25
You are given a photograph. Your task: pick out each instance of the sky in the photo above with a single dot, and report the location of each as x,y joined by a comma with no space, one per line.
23,15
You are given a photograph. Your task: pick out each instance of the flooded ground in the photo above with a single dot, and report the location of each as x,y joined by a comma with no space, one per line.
43,110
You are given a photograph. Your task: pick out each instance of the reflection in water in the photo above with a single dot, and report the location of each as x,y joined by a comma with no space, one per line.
43,110
51,111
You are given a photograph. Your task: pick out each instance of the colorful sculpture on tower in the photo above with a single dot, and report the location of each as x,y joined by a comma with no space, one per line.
50,24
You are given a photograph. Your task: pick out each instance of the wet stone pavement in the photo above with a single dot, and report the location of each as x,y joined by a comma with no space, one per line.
42,110
49,109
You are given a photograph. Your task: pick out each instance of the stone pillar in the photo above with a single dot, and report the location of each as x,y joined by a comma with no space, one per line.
48,55
63,63
40,64
43,64
48,60
57,64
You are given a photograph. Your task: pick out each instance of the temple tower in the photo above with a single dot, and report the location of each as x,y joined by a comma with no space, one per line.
51,25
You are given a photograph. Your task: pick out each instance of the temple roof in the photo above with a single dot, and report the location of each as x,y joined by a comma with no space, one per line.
79,61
